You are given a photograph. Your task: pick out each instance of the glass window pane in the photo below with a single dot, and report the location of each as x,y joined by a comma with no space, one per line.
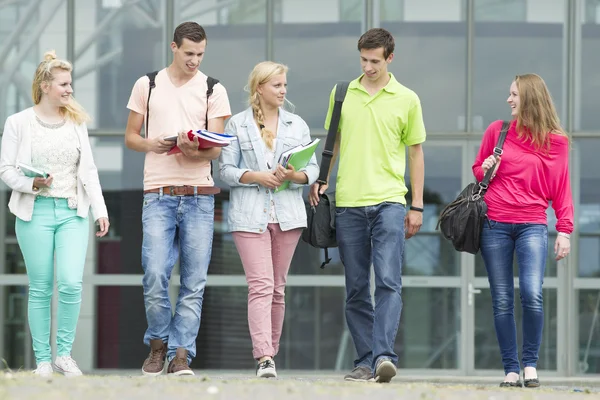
429,333
236,41
23,48
431,42
115,44
586,163
501,10
487,351
508,47
590,75
14,263
391,10
428,253
589,332
319,50
16,342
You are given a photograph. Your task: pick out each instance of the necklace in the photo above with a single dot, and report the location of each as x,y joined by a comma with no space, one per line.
50,126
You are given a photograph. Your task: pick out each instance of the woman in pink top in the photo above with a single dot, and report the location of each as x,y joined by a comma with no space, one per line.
532,170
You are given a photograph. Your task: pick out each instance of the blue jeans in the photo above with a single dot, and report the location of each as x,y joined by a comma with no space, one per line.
499,241
176,226
372,235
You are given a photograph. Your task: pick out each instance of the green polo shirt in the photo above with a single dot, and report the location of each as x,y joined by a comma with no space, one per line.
375,131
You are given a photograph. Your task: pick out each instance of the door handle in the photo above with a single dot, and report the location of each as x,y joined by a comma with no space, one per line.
470,292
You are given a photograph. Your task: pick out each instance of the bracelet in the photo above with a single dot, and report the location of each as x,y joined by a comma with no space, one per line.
413,208
568,236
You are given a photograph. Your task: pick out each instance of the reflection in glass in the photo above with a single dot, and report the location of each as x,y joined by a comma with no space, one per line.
590,76
589,332
503,49
39,27
487,351
16,340
428,253
115,44
429,333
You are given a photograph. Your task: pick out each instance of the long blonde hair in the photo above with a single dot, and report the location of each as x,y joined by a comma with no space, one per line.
261,74
536,117
44,73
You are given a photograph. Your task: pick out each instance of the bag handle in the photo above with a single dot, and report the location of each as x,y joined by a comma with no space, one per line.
340,93
498,152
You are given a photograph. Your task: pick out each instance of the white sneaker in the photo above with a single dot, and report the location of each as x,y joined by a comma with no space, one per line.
44,369
67,366
266,369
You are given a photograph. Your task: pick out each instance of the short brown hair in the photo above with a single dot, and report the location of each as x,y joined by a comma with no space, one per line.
376,38
189,30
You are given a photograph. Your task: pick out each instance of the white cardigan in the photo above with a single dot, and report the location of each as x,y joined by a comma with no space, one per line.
16,148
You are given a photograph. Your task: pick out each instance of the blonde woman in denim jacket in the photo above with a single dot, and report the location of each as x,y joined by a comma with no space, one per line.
266,225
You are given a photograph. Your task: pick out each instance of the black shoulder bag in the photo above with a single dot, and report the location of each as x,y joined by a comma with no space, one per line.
462,220
210,82
320,230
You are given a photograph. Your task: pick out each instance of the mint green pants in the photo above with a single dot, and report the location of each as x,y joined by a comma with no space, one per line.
54,230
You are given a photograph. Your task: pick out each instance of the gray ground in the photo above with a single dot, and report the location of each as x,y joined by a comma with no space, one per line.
217,385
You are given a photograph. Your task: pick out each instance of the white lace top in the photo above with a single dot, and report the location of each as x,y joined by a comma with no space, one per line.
271,164
55,149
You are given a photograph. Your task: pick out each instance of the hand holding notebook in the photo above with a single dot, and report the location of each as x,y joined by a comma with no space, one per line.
205,139
297,158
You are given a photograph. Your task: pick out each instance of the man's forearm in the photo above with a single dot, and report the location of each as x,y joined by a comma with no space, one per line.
416,161
136,143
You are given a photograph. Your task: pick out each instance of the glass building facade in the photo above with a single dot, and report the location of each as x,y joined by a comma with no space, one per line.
460,56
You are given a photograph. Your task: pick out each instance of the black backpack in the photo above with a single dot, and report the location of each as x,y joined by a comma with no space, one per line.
320,229
462,220
210,82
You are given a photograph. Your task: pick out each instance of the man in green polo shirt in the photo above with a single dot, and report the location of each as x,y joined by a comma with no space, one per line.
380,119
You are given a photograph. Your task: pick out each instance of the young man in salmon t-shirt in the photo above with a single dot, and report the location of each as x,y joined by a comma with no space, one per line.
178,208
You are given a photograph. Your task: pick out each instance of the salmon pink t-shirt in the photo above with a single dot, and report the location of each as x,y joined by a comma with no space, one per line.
527,179
173,110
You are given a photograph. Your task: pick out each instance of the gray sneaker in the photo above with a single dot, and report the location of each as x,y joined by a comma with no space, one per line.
359,374
385,371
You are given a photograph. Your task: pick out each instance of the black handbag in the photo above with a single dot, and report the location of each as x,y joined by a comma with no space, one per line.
462,220
320,224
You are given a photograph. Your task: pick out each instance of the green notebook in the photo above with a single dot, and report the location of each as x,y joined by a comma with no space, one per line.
32,172
299,157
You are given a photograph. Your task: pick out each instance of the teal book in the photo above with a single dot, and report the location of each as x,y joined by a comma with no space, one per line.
32,172
298,157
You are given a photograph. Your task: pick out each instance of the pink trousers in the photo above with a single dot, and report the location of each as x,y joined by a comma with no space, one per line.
266,258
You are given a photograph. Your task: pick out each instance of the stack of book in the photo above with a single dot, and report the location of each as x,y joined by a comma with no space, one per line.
206,140
298,157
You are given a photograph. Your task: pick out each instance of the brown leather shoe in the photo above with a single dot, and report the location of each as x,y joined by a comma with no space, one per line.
155,363
179,364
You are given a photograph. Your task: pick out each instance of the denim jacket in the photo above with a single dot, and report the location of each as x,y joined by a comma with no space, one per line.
249,204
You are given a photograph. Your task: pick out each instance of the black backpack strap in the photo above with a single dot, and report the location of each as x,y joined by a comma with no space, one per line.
152,77
340,94
210,83
497,152
327,258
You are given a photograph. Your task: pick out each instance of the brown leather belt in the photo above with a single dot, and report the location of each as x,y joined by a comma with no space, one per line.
185,190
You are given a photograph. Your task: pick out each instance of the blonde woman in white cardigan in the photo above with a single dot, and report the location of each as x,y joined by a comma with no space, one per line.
52,212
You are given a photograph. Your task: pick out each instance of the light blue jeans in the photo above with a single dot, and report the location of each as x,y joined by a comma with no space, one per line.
176,226
54,230
499,242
